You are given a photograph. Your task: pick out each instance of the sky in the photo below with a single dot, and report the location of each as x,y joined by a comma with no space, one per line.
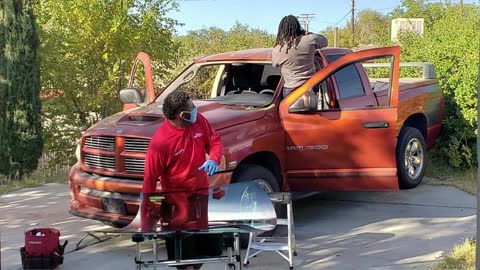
266,14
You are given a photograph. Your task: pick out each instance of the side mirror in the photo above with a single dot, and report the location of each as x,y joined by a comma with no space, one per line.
130,95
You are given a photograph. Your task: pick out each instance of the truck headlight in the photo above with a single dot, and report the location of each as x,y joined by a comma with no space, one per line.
77,151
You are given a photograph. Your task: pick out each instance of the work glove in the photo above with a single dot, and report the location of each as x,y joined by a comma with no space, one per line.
210,167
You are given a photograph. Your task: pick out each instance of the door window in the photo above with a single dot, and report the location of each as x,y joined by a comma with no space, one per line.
347,84
200,83
348,80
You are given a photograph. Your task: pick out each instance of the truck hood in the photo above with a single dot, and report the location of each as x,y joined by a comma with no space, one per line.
144,121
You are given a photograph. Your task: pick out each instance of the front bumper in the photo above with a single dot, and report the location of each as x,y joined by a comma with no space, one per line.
87,191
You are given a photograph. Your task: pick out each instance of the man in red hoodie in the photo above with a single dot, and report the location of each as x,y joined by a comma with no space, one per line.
176,154
176,157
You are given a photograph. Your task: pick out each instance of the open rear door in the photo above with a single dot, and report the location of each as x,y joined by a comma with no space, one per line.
141,78
350,148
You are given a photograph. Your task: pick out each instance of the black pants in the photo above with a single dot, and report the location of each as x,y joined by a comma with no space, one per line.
185,211
195,246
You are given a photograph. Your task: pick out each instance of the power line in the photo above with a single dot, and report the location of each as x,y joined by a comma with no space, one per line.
343,18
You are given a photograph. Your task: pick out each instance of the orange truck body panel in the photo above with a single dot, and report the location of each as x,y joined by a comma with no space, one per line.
352,157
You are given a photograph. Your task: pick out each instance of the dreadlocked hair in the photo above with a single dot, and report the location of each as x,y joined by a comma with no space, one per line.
289,30
174,103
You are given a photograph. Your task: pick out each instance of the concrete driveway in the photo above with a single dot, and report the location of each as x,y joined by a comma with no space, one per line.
335,230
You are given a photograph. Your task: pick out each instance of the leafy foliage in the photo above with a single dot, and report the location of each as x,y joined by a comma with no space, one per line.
20,127
87,49
208,41
371,27
88,45
451,43
213,40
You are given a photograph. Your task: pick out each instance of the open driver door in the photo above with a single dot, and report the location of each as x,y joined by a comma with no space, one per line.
140,90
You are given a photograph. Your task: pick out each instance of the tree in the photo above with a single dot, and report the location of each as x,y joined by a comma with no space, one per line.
430,11
87,51
213,40
372,27
451,43
20,127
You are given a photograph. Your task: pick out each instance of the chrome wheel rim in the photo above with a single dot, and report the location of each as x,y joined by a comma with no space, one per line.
264,184
414,158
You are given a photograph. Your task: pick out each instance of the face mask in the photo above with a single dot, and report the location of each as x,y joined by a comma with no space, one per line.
190,117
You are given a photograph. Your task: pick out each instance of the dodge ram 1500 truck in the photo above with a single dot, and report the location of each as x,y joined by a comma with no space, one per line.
343,129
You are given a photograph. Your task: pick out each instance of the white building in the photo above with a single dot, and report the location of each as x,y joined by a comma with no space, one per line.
406,24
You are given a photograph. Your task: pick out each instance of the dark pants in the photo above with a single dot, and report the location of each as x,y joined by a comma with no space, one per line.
287,90
196,246
188,212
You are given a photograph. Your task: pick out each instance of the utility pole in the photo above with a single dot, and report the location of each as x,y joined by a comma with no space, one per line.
335,37
461,7
306,19
353,22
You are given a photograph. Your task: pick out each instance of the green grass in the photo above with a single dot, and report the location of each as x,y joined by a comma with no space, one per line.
34,180
440,173
462,257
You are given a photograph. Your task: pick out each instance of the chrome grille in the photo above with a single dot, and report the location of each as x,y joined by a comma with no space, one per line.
135,165
100,142
100,162
136,145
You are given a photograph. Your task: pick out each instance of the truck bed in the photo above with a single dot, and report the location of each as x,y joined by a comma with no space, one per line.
419,85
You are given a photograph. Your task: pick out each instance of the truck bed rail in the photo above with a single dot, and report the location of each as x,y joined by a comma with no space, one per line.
428,70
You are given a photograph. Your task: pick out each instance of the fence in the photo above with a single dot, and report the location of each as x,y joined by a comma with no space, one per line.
49,164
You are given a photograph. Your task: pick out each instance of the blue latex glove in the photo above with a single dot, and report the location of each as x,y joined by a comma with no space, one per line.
210,167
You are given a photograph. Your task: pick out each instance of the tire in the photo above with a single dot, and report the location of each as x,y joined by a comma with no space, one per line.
114,224
268,181
411,158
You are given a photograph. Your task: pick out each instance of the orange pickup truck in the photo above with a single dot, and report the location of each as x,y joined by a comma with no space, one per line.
343,129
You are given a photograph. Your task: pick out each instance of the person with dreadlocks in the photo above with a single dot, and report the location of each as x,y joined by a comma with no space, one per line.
294,52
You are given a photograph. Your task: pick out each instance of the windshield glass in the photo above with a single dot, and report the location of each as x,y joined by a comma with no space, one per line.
249,84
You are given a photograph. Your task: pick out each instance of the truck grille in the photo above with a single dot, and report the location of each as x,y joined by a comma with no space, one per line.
123,156
100,142
136,145
134,165
100,162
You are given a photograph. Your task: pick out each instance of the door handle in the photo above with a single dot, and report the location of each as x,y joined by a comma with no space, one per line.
375,125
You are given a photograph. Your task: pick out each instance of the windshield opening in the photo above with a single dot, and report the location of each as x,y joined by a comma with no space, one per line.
247,84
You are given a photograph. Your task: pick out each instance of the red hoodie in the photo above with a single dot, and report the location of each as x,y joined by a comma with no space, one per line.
174,156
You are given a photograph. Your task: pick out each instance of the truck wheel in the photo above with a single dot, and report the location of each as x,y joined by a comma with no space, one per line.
267,180
411,157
